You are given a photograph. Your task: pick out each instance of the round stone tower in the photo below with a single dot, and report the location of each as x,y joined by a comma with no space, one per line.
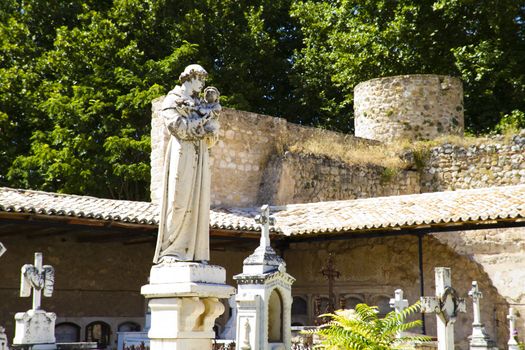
414,107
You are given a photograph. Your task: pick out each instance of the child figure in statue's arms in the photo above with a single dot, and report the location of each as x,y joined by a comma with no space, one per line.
209,110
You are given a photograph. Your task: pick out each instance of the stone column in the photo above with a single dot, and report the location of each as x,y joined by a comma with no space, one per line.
184,303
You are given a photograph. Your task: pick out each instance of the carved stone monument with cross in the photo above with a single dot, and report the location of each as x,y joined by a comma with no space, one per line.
398,304
36,327
479,338
264,297
446,305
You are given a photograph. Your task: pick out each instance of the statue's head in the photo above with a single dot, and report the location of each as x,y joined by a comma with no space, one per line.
211,94
194,76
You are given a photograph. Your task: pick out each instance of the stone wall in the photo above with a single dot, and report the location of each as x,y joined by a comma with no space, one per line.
101,281
299,178
413,107
238,160
491,163
372,268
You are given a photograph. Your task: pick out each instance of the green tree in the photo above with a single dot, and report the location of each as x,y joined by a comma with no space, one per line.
362,329
348,41
77,79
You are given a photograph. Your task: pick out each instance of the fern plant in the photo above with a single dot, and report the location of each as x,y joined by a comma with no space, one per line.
362,329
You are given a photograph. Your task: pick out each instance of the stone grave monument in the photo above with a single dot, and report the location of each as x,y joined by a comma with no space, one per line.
446,305
184,290
479,338
264,298
35,328
398,304
512,343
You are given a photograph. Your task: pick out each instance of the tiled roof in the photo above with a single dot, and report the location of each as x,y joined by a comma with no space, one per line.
418,210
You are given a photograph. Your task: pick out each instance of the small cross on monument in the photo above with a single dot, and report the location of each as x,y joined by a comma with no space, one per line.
398,304
479,338
446,305
513,344
265,220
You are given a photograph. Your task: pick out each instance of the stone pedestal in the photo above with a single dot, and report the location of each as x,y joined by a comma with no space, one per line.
36,329
184,303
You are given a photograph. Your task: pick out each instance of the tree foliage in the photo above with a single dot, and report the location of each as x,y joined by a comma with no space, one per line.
348,41
77,76
77,79
362,329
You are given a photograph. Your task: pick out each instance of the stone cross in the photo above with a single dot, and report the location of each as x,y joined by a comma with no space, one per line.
479,338
265,220
446,305
398,304
331,274
38,278
512,343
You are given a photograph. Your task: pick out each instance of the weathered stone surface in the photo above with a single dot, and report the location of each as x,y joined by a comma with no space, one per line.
34,327
420,107
450,167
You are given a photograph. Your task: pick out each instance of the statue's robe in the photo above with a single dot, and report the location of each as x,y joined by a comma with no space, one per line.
185,203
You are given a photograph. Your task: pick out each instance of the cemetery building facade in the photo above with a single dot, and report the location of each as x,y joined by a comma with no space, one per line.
462,207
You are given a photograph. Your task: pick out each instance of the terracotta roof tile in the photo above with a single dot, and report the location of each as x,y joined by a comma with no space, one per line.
462,206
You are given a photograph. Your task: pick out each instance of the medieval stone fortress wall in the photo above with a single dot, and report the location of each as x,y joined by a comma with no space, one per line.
255,161
420,107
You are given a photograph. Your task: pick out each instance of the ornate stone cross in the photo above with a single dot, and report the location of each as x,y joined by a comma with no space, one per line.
512,343
398,304
479,338
446,305
38,278
265,220
331,274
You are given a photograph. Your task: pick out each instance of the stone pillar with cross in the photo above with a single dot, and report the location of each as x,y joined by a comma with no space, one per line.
398,304
512,343
479,339
264,297
446,305
36,327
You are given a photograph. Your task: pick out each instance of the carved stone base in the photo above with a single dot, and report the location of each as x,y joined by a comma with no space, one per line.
184,303
480,340
35,327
